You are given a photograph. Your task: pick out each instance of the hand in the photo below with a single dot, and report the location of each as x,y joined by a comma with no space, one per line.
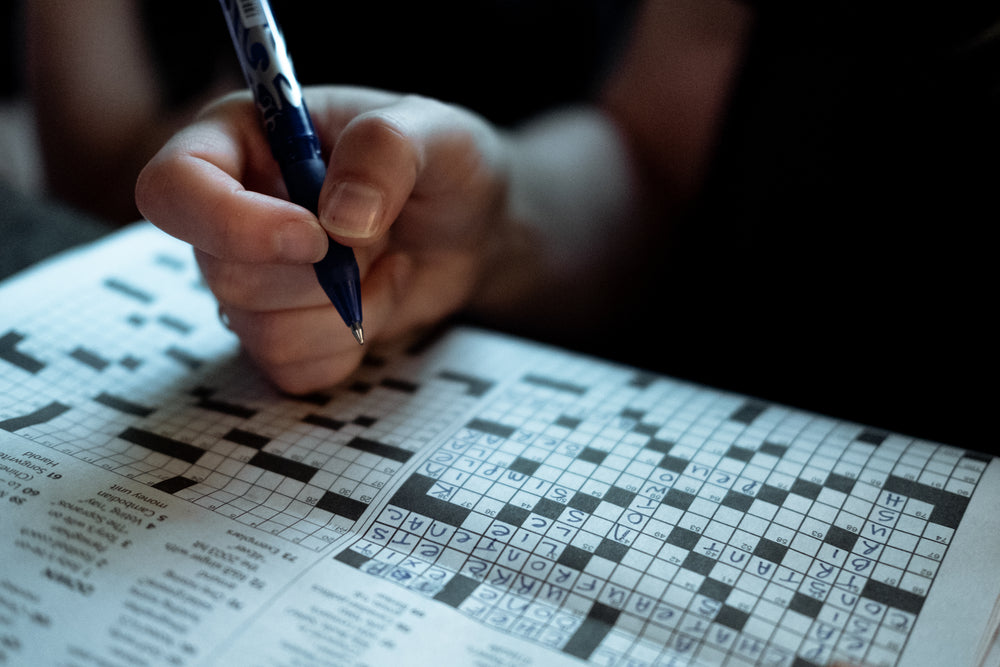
415,186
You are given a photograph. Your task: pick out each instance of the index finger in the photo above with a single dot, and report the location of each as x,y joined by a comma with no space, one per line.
208,186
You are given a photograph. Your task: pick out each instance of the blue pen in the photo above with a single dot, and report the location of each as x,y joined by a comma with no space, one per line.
294,144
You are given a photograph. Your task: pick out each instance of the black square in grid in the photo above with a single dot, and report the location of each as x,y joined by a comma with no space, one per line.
661,446
324,422
699,564
632,413
352,558
515,516
770,550
773,449
646,429
737,501
872,436
360,387
674,463
903,487
642,380
491,428
806,489
246,438
474,386
802,662
732,618
840,538
282,466
568,422
584,501
892,596
362,420
222,407
839,483
678,499
413,496
344,506
524,466
397,384
150,440
457,590
683,538
977,456
715,589
805,605
550,509
619,496
739,453
772,494
611,550
949,510
574,557
174,484
746,413
591,455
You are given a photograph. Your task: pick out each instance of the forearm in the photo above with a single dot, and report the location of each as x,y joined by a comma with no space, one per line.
571,222
594,190
96,98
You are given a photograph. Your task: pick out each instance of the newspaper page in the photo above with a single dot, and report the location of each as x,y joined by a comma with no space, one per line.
475,499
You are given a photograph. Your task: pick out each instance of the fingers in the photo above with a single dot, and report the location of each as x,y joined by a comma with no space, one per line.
393,159
300,350
203,187
309,348
261,287
398,154
373,169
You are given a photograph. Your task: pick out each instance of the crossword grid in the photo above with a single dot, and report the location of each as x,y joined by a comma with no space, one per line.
617,516
300,469
115,381
658,520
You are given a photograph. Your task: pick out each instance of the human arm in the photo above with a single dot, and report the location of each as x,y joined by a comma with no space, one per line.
418,188
444,211
99,101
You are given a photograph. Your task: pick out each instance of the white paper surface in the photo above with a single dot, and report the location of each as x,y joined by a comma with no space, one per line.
481,501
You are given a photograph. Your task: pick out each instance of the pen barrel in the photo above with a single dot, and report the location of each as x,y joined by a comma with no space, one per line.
303,172
270,77
292,138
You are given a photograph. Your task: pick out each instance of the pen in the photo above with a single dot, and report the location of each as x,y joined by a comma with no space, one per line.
260,48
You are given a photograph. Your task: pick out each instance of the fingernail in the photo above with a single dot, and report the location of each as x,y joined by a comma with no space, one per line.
296,242
352,210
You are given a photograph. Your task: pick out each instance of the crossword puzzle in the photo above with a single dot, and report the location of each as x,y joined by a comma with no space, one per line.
660,521
304,470
614,515
153,388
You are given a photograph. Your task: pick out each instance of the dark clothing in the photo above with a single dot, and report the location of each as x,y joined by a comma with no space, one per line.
838,259
504,59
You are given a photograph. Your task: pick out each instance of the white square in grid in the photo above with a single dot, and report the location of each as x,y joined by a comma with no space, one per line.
789,519
915,583
903,539
763,510
754,525
895,557
719,531
728,516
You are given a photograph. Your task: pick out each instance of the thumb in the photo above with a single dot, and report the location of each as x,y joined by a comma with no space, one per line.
373,169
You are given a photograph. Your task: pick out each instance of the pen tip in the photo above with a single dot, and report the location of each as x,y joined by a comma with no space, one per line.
359,333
